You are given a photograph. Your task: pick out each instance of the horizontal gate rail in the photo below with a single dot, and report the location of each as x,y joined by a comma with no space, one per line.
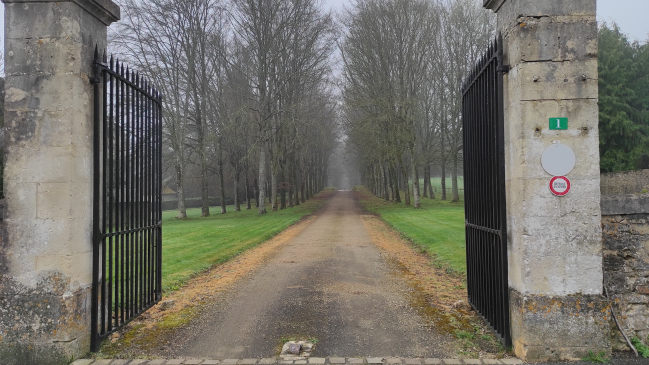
127,206
484,195
485,229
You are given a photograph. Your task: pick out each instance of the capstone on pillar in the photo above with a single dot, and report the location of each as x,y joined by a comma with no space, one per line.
558,311
46,247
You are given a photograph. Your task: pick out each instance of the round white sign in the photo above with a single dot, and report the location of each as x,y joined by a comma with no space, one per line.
558,159
560,185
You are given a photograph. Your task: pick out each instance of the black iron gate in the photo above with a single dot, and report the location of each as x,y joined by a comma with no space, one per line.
484,194
127,197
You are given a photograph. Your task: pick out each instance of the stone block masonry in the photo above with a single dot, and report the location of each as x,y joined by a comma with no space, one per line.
46,246
557,308
627,182
625,225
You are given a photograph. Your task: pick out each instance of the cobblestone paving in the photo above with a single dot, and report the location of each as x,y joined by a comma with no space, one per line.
312,360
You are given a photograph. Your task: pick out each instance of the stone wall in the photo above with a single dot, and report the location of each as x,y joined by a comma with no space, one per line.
625,228
628,182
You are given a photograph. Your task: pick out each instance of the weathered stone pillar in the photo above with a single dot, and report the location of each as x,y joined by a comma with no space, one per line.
46,249
555,242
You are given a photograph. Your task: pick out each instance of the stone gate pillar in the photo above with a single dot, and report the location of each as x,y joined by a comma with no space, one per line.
46,247
555,242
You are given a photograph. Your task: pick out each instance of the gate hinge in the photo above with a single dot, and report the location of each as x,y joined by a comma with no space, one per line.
97,68
503,68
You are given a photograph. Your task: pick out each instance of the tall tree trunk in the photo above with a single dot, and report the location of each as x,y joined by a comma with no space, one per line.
308,185
222,183
443,180
282,183
256,187
406,185
290,194
323,174
415,180
248,205
296,177
261,200
291,185
376,177
237,206
430,185
388,174
456,195
182,211
443,166
205,203
425,184
273,187
384,183
395,179
302,185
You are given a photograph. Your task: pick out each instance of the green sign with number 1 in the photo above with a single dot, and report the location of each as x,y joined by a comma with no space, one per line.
558,123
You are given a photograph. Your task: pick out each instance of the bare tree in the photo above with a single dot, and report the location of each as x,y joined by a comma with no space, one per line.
148,36
462,43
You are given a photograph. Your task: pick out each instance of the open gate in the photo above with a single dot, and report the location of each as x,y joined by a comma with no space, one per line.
127,197
484,194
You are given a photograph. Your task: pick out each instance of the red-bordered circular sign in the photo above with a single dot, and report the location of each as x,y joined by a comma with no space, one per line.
560,185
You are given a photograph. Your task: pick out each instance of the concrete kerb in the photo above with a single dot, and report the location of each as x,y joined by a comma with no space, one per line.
413,361
314,360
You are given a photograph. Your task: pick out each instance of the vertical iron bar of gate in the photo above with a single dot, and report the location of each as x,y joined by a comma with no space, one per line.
108,190
135,181
145,180
124,186
106,322
147,191
95,203
502,188
159,199
130,224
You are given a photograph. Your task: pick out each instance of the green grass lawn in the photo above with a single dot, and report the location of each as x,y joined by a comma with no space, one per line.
437,228
436,183
190,246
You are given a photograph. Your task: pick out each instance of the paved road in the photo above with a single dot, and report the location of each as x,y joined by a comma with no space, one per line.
329,283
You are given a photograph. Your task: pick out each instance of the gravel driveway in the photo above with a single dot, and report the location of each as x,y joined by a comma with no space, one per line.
329,283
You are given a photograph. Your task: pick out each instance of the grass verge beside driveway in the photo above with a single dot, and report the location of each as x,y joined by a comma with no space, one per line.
192,245
437,228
